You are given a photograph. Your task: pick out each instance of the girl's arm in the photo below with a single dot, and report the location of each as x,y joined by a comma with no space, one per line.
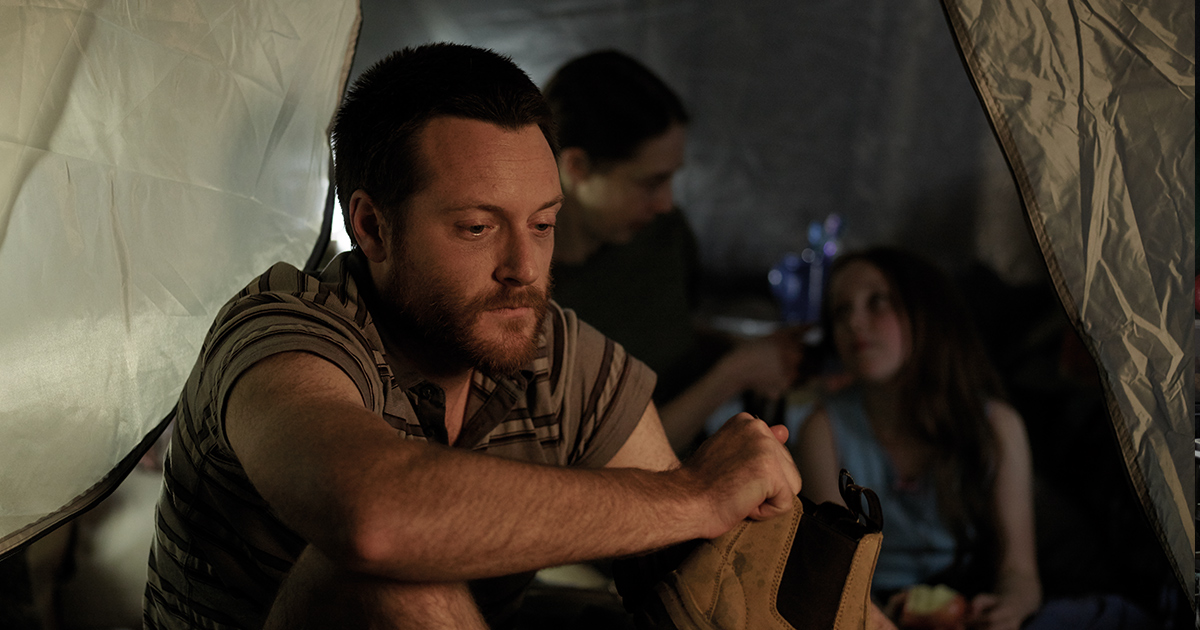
1018,590
817,459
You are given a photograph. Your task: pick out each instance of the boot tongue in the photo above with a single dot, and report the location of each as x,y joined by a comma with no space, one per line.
818,565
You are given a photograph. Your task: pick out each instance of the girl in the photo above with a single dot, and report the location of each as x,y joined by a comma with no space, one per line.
923,425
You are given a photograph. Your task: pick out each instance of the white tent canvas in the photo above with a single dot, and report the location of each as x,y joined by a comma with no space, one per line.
153,159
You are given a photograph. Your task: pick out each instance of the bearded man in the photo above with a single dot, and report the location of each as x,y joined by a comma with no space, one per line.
380,445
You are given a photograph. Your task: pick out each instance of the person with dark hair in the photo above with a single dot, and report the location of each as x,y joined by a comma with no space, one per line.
924,424
625,259
403,438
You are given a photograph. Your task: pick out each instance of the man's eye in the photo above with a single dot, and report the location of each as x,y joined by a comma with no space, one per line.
476,229
544,227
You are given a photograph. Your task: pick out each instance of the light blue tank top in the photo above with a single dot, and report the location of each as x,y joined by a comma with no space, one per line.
916,544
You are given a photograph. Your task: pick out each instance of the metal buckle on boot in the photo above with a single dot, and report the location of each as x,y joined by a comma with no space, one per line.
852,496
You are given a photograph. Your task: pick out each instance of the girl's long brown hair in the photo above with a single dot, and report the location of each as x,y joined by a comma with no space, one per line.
946,383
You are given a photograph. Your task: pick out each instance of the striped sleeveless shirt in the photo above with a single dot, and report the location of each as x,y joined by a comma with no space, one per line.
220,553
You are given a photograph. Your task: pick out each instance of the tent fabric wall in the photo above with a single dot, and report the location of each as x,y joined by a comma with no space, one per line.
1094,105
153,158
799,109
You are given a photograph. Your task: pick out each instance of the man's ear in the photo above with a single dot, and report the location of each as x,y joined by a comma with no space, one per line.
368,225
574,166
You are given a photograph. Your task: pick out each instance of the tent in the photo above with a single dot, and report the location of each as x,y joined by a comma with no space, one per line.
163,156
151,163
1094,105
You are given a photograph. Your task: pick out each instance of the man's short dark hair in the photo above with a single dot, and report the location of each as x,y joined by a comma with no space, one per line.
375,134
608,104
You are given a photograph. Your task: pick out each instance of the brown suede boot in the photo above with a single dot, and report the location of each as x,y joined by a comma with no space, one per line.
808,569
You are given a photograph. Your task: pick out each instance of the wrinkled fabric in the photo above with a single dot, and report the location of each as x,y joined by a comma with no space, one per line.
1094,106
153,158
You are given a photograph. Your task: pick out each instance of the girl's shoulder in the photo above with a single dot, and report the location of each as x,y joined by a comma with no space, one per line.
1006,422
844,403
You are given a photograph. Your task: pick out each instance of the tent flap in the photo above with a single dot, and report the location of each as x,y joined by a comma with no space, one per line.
151,163
1094,107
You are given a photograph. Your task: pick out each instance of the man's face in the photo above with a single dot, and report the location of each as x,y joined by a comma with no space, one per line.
617,202
470,269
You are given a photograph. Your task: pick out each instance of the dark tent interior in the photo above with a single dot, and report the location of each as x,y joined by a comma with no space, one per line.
799,112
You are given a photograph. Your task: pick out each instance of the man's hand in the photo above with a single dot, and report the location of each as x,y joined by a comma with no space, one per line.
745,472
769,365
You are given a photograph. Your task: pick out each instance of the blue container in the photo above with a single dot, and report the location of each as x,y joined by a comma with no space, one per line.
798,280
790,280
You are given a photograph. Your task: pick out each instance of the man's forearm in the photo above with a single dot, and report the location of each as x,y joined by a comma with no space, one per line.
369,499
465,515
431,513
683,417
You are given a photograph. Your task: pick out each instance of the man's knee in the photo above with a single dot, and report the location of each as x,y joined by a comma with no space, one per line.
421,605
319,594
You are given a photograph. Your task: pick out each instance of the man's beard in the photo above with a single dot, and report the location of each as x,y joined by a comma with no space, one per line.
442,328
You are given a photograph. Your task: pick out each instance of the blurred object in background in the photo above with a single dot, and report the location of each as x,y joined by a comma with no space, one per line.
798,280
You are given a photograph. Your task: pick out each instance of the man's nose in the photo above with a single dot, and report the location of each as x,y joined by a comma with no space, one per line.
518,264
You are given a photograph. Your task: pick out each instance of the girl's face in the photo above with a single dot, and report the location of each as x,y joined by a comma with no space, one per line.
870,329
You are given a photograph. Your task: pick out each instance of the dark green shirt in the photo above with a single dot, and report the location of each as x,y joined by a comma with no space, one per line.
642,295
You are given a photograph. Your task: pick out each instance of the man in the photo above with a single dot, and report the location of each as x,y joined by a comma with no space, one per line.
625,256
353,449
